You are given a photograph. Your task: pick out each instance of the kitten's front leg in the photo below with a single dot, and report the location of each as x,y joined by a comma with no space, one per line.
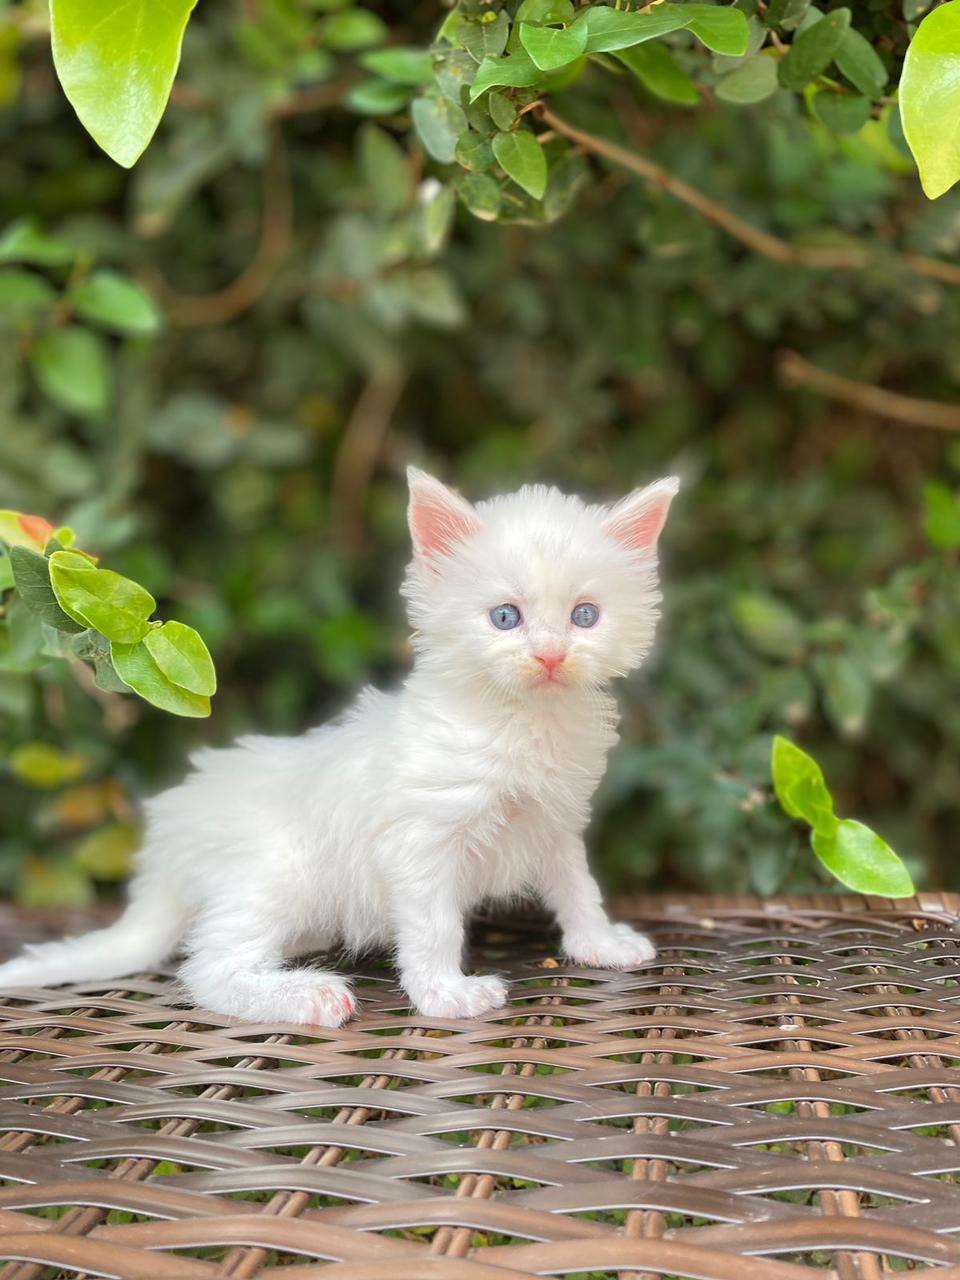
589,936
430,942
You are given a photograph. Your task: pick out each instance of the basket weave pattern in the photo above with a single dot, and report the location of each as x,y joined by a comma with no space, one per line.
777,1094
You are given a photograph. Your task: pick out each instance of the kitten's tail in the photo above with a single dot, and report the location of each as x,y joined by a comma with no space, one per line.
142,938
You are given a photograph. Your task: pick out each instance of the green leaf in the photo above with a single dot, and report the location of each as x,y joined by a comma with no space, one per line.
655,68
800,787
22,294
24,242
553,47
768,625
786,14
439,123
482,38
104,673
768,864
522,158
40,764
116,60
610,29
503,110
930,98
434,218
376,98
386,168
861,64
435,298
99,598
138,669
91,646
454,73
847,692
70,364
31,573
353,29
45,883
848,849
914,9
519,71
543,12
841,112
481,195
400,64
107,854
22,642
724,30
111,300
182,656
862,861
753,81
567,176
474,152
941,515
814,49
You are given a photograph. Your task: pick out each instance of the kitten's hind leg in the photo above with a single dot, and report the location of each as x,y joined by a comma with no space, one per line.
236,967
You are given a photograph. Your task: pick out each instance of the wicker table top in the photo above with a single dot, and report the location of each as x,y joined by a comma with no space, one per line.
777,1092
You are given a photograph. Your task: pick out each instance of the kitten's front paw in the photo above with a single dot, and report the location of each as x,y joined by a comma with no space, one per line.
618,947
461,997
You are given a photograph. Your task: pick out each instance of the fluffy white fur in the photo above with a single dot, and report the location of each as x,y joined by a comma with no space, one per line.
385,827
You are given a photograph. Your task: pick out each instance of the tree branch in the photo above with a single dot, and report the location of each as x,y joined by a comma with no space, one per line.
359,449
276,239
852,258
795,371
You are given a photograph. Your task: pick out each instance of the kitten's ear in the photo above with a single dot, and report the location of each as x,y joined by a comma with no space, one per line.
438,517
638,520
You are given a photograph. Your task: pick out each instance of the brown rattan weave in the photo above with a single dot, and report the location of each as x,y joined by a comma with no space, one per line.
777,1092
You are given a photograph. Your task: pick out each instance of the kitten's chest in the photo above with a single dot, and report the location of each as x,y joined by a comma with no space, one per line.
551,762
479,774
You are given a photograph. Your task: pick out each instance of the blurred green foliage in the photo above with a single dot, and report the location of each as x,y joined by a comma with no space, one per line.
215,367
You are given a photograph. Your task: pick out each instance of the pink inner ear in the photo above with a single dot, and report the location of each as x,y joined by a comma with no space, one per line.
438,527
637,525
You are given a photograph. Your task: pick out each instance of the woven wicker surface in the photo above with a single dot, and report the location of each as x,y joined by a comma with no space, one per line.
777,1092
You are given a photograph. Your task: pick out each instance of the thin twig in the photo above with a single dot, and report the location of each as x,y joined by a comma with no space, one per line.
795,371
762,242
847,258
276,239
318,97
361,445
932,268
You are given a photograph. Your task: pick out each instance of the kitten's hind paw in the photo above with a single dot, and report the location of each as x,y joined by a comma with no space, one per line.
461,997
618,947
310,997
332,1005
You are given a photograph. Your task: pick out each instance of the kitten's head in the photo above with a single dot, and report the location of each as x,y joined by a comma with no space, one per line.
534,592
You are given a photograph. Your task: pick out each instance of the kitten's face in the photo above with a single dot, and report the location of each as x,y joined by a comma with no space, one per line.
533,593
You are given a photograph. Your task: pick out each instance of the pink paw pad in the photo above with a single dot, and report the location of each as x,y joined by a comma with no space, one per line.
348,1006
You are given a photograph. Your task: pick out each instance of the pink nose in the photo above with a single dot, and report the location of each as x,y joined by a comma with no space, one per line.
550,661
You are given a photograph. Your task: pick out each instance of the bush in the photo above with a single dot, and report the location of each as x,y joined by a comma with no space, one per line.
706,251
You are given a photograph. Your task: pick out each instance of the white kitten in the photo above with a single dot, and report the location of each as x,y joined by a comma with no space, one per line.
387,826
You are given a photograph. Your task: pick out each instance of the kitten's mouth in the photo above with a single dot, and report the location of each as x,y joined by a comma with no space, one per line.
550,680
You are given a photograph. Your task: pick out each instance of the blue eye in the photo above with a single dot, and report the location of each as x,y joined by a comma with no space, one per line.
585,615
505,617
